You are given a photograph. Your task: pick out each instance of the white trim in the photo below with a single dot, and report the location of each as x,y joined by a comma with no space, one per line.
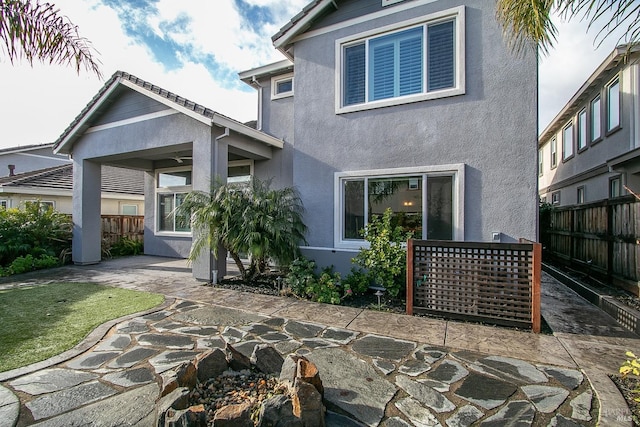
132,120
65,193
390,2
274,86
265,69
362,19
181,189
458,16
56,157
223,121
302,24
456,170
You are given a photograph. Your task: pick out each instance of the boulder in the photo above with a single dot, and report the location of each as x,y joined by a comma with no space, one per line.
211,364
267,359
233,416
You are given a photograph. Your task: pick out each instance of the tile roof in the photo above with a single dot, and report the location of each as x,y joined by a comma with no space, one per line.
114,180
119,76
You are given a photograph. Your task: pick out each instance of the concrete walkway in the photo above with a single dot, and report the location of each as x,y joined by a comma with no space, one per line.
393,370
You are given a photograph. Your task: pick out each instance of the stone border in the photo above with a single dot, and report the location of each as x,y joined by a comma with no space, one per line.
89,341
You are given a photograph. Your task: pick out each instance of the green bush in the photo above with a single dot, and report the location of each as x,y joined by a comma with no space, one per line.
34,231
126,246
357,280
24,264
325,288
385,259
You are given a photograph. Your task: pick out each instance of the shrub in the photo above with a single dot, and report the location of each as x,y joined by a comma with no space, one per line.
385,259
33,231
126,246
325,288
357,280
24,264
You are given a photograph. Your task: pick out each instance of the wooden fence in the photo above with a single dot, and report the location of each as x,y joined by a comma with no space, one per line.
115,227
491,282
600,239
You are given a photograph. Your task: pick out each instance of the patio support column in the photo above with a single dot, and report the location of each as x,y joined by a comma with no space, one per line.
210,161
87,226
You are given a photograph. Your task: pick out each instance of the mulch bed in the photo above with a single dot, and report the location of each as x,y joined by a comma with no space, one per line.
630,389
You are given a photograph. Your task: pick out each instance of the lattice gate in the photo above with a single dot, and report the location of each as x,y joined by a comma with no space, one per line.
491,282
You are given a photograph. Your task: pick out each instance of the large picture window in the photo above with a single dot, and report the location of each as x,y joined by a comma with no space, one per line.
171,187
403,64
423,204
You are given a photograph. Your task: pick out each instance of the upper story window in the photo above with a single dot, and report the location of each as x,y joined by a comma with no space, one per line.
596,119
411,61
567,142
582,130
282,86
554,153
540,162
613,105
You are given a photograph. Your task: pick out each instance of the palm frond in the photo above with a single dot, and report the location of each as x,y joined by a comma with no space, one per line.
37,31
527,24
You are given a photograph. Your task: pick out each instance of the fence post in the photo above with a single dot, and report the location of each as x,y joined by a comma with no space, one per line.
535,287
410,277
610,239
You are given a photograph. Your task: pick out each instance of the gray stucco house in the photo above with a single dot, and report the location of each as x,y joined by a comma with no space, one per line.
416,105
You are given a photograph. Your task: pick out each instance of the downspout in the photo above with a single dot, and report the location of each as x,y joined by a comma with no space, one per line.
255,83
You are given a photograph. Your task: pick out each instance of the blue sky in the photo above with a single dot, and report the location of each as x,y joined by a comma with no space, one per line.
196,48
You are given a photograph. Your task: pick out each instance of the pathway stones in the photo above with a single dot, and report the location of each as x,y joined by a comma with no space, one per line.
448,372
414,367
384,366
561,421
570,378
518,413
221,316
92,360
50,380
132,357
9,407
418,414
383,347
546,399
582,406
465,416
395,422
130,378
425,394
302,330
340,336
429,354
133,327
67,399
274,337
129,408
286,347
114,342
484,391
516,370
352,384
170,359
167,341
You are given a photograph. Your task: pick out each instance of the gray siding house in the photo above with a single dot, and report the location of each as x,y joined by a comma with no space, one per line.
416,105
591,149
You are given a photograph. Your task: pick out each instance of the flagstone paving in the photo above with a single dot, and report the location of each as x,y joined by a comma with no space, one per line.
376,368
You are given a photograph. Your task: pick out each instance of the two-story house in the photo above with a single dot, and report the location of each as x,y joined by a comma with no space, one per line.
416,105
591,149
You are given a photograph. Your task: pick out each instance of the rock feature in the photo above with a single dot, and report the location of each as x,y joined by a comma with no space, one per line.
267,359
277,411
211,364
234,416
236,360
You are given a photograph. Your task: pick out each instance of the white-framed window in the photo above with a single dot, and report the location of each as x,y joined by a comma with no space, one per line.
240,171
282,86
615,187
555,198
4,204
540,162
596,119
580,195
582,130
567,141
554,152
434,210
128,209
613,105
411,61
172,185
44,204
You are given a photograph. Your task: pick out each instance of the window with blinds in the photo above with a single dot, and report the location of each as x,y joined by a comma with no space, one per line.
412,61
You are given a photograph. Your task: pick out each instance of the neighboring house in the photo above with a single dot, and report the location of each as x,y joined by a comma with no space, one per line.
416,105
591,149
17,160
122,190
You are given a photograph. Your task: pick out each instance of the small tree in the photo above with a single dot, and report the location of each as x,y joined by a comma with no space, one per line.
385,259
250,219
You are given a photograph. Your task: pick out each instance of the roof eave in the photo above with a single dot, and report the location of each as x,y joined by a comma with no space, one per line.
226,122
265,71
282,40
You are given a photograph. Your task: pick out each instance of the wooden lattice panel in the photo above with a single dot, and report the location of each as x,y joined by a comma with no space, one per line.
478,281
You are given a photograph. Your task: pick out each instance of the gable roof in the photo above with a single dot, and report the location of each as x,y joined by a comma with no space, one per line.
24,148
114,180
120,78
299,23
619,56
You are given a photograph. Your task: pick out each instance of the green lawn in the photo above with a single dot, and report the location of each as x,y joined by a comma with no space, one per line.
41,321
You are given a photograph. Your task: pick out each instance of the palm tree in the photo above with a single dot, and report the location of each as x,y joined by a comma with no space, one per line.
250,219
31,30
527,23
